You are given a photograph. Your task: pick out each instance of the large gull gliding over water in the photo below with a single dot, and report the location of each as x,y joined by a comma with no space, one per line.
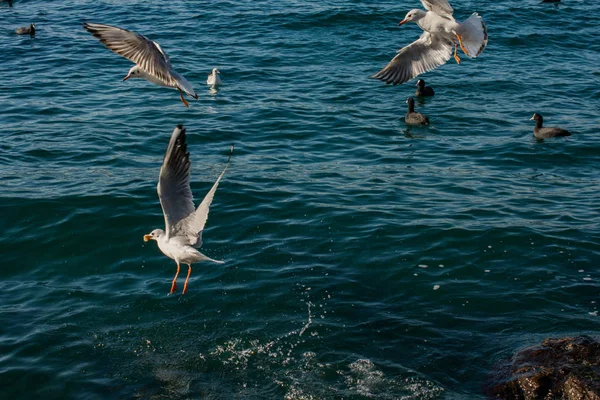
152,63
434,47
184,223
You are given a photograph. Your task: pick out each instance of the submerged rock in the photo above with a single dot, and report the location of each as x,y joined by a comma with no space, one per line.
566,368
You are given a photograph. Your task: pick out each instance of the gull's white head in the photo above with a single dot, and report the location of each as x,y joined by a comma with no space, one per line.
215,71
134,72
154,235
413,16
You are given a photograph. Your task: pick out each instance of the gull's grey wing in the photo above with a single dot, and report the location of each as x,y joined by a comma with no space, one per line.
135,47
166,57
440,7
193,225
422,55
174,184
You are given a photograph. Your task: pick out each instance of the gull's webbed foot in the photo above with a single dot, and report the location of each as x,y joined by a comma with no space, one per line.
456,55
461,45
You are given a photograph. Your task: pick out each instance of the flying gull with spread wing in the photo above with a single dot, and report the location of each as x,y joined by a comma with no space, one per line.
152,63
434,47
184,223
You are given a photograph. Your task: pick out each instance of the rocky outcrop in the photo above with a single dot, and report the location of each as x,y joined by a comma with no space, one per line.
566,369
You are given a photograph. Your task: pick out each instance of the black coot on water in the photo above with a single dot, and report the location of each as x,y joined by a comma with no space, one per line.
412,117
544,133
423,90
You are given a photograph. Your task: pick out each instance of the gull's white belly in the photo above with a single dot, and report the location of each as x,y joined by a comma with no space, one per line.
151,78
213,79
439,26
180,82
182,253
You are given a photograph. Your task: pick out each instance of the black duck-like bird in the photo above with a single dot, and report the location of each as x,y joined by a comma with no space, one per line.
26,30
423,90
412,117
544,133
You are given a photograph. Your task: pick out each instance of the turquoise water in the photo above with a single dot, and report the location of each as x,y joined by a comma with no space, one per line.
363,259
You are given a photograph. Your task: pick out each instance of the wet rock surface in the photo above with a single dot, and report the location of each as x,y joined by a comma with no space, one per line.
566,368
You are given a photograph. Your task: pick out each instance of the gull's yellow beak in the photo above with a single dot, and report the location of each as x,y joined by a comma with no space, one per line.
147,237
402,22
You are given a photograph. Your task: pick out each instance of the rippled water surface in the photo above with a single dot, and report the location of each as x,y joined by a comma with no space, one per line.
363,259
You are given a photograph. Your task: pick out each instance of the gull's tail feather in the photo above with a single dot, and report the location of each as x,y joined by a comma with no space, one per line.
473,34
202,257
185,85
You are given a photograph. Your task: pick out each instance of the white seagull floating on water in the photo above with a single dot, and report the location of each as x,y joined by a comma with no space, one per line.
434,47
213,78
152,63
184,223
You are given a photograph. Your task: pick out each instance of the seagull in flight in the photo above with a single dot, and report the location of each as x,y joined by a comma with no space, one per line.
434,47
152,63
184,223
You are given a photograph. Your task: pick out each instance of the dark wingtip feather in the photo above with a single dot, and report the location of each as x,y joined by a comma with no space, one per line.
182,139
231,152
180,158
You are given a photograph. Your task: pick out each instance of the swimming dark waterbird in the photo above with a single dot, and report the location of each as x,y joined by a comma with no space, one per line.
26,30
544,133
423,90
550,1
412,117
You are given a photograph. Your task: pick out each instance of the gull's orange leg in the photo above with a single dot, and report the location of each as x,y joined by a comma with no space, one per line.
186,279
174,284
456,55
461,44
185,103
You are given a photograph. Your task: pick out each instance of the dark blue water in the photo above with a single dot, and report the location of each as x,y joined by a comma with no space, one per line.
364,259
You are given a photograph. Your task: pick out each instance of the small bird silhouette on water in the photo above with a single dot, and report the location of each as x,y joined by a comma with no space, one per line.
423,90
26,30
544,133
412,117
